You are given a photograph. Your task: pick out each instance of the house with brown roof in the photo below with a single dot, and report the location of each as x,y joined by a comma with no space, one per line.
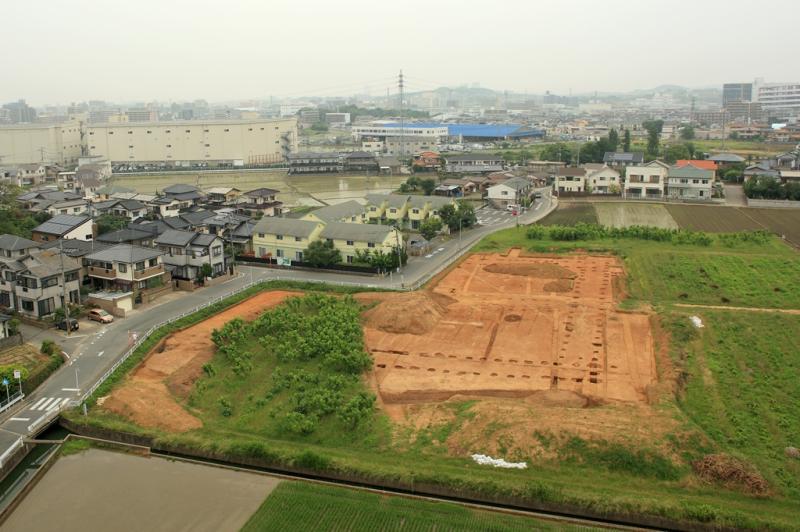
571,179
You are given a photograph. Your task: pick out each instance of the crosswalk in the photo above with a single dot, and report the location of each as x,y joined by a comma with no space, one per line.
493,216
49,403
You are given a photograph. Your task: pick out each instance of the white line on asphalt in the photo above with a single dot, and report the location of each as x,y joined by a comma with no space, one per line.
70,389
44,405
100,353
38,403
56,405
19,419
66,354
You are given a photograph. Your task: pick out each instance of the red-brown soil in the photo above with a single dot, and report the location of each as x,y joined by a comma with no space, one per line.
149,396
513,326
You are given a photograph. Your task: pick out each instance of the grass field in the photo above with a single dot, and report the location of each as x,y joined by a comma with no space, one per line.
628,214
712,219
306,506
743,390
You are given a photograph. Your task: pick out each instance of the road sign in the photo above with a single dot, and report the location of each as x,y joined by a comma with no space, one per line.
5,381
17,374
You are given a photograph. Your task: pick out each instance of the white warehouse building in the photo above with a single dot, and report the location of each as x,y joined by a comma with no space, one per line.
234,142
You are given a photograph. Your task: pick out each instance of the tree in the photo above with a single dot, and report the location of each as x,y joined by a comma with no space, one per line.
653,128
626,141
321,253
319,126
613,140
687,133
430,228
109,222
205,271
556,152
676,152
427,186
458,216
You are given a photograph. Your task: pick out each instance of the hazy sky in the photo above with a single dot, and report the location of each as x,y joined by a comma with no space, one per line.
58,51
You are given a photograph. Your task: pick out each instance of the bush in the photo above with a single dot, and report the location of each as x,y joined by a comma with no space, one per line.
49,348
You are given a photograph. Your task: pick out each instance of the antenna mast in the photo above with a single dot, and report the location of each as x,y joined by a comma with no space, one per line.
400,86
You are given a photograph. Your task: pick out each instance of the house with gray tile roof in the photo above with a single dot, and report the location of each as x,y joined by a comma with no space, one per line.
127,268
34,284
690,183
64,226
185,253
348,211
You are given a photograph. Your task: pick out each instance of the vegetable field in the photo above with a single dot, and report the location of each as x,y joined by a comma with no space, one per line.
618,214
712,219
570,213
780,221
305,506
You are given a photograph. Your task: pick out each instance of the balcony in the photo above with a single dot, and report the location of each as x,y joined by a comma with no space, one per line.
139,275
103,273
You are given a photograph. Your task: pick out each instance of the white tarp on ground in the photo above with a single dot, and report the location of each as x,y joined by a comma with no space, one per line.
498,462
696,321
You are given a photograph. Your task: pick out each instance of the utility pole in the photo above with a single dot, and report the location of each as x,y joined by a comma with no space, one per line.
64,300
400,87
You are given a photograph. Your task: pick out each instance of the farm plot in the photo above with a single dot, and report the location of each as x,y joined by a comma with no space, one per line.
712,219
571,213
784,222
514,326
620,214
306,506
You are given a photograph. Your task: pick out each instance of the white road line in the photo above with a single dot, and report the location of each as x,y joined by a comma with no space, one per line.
19,419
56,404
47,403
100,353
70,389
38,403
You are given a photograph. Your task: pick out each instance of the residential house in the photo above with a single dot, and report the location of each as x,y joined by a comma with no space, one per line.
360,161
449,190
165,206
389,165
601,179
647,181
223,221
223,195
792,176
284,238
185,253
260,202
511,192
198,219
549,168
30,174
571,180
350,239
726,160
5,329
703,164
314,163
40,200
34,284
241,237
473,163
348,211
79,206
77,249
133,234
421,208
427,161
383,207
465,185
65,180
622,159
187,195
64,226
126,268
124,208
788,161
761,169
690,183
108,192
13,247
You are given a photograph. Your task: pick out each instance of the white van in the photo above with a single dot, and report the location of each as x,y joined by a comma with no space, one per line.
511,207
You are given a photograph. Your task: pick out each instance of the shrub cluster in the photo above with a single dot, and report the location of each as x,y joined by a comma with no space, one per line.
317,342
584,231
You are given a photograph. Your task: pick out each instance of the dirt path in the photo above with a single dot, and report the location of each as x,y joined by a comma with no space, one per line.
744,309
150,395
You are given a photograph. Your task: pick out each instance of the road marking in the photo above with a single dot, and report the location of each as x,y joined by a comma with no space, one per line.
65,401
100,353
66,354
70,389
44,405
19,419
38,403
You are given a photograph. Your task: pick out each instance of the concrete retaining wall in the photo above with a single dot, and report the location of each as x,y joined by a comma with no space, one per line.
775,204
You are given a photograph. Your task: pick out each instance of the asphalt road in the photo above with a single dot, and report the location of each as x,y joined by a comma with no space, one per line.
93,350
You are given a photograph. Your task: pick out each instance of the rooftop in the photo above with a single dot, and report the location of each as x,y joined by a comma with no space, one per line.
286,226
125,253
359,232
16,243
333,213
61,224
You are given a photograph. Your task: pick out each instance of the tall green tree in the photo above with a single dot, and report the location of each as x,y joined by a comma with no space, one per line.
461,215
613,140
626,141
427,186
653,128
687,133
556,152
430,228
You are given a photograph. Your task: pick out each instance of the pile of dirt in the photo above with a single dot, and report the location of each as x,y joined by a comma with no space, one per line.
731,473
393,316
541,270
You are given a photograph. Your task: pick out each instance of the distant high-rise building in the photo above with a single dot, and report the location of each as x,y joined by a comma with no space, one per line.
778,99
736,92
20,112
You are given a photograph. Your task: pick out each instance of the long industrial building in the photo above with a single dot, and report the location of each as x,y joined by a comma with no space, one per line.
40,143
234,142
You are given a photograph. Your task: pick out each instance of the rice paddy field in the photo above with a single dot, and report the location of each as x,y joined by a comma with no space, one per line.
708,218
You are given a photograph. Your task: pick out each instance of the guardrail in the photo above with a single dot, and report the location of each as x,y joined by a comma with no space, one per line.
11,450
14,399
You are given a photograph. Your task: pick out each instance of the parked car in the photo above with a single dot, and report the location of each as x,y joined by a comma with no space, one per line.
72,323
511,207
537,195
100,315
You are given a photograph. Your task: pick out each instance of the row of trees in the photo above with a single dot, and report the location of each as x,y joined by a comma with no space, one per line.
413,184
770,188
14,219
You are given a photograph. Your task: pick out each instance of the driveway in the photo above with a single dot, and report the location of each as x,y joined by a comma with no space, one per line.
734,196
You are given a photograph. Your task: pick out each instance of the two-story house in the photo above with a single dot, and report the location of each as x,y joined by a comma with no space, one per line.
350,238
260,202
223,195
348,211
622,159
126,268
185,253
689,182
511,192
284,238
601,179
646,182
126,208
381,207
34,284
187,195
64,226
570,179
77,206
314,162
473,163
427,161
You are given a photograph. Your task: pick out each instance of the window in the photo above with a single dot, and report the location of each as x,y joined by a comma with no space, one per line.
27,304
130,145
168,131
169,145
46,306
216,251
208,145
49,281
278,237
130,132
504,192
260,235
349,257
110,132
349,242
122,267
298,256
370,244
188,130
139,266
153,263
415,211
298,239
279,253
148,131
226,130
